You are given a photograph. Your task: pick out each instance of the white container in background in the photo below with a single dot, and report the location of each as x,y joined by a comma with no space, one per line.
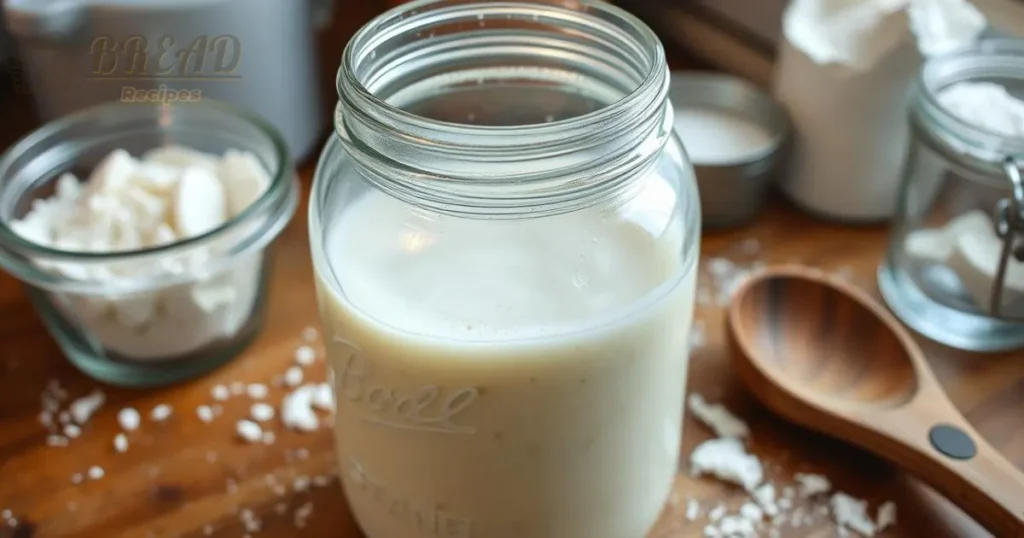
844,73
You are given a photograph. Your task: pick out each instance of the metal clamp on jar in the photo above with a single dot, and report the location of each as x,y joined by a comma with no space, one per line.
955,267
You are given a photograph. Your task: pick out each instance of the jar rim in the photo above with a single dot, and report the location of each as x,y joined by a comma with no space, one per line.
347,80
990,58
281,183
430,48
253,228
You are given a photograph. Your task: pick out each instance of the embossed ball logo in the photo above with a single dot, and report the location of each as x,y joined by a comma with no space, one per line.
428,408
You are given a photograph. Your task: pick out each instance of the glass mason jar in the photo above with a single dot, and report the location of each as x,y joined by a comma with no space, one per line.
954,270
162,314
505,235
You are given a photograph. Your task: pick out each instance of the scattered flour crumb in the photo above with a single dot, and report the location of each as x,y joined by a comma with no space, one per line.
323,397
250,522
96,472
698,335
293,376
812,484
56,440
237,388
305,355
717,417
249,431
850,513
161,413
727,460
750,246
309,334
77,478
301,483
752,511
72,431
302,514
205,413
692,510
297,409
765,497
257,391
269,438
129,419
886,516
737,526
85,407
261,412
716,513
220,393
727,277
121,442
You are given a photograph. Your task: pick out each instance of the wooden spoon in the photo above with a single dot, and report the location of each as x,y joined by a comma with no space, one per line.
824,354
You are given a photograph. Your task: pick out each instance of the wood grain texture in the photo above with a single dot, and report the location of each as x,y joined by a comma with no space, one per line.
822,353
165,485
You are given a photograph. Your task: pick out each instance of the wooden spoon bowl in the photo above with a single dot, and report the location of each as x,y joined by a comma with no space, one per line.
835,347
824,354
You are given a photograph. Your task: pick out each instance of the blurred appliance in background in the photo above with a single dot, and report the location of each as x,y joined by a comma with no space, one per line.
259,54
740,36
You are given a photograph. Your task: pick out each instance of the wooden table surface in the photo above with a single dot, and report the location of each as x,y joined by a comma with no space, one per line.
184,478
180,476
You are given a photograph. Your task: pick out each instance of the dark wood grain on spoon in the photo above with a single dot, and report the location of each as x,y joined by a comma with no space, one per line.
824,354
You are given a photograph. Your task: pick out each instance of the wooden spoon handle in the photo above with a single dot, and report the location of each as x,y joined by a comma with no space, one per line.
955,460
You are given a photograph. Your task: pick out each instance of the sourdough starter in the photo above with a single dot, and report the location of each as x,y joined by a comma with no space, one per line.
506,380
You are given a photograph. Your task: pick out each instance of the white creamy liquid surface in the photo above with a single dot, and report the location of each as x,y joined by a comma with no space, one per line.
507,381
716,137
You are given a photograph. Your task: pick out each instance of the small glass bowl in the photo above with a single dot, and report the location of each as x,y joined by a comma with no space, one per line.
162,325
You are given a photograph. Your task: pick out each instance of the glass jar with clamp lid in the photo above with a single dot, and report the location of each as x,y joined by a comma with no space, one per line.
955,266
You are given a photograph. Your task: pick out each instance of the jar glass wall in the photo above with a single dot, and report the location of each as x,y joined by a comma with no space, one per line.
943,261
161,314
505,235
